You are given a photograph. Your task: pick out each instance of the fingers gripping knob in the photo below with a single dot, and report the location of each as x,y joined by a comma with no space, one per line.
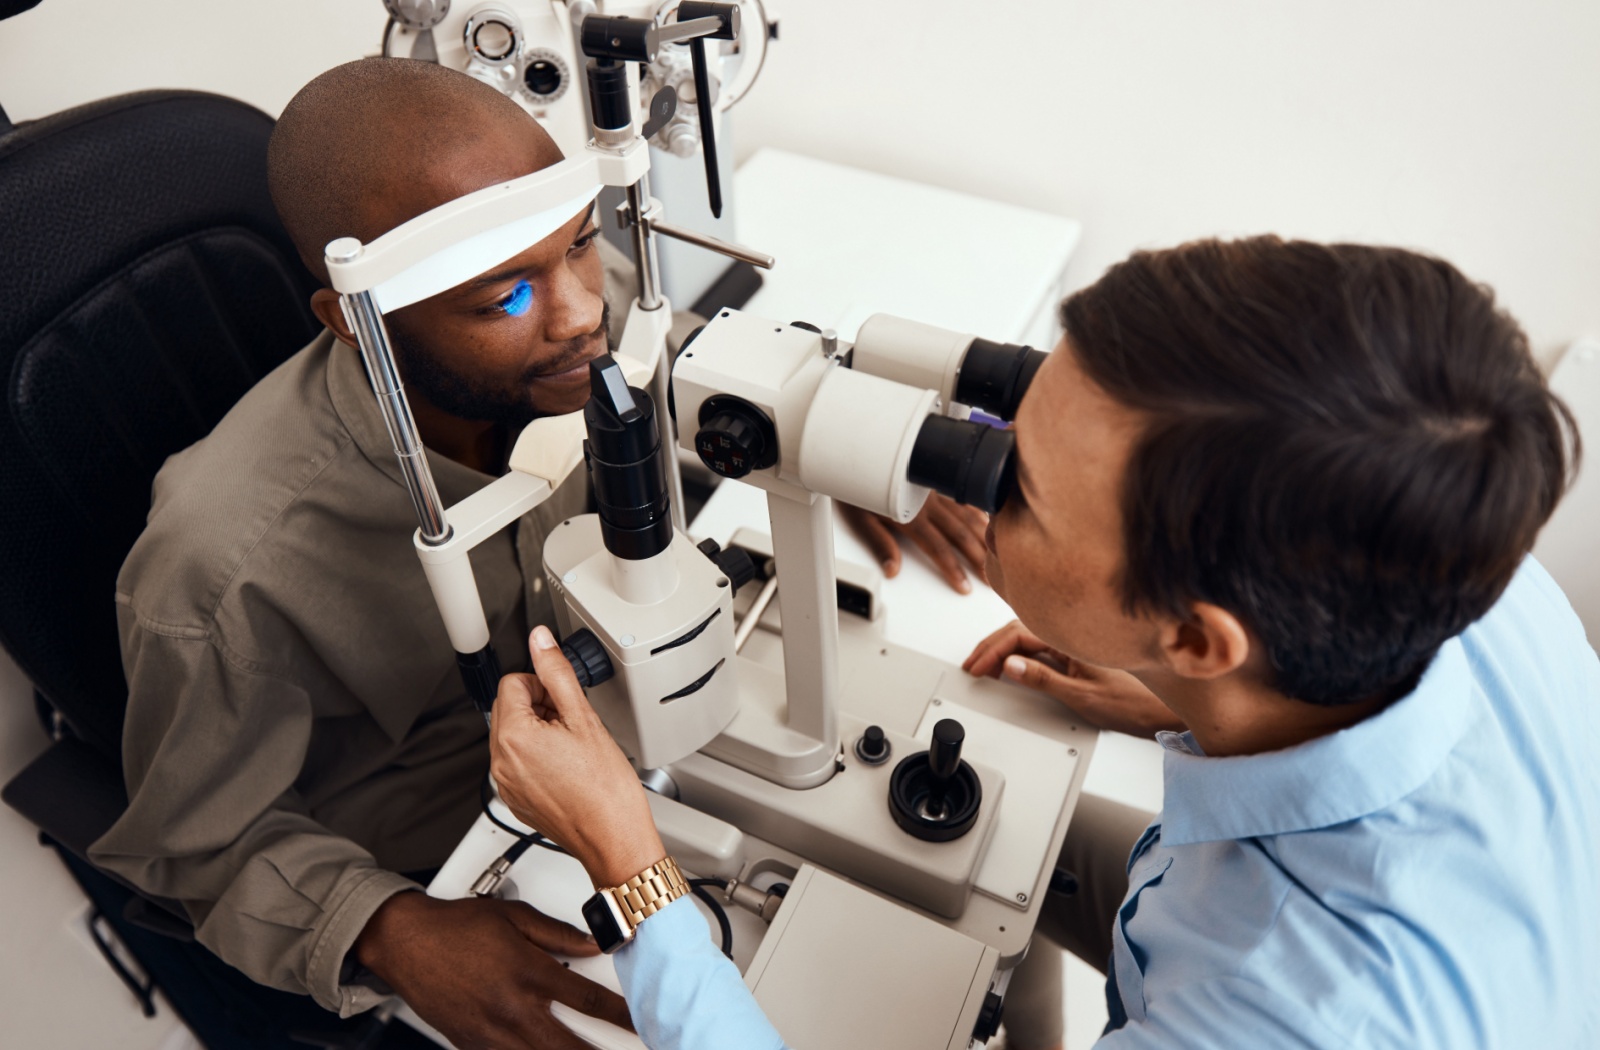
587,657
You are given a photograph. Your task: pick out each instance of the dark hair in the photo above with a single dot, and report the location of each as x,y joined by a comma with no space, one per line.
1348,447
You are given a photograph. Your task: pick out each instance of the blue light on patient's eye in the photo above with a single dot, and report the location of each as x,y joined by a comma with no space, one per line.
516,304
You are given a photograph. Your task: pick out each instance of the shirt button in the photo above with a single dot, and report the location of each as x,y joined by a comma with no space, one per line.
538,585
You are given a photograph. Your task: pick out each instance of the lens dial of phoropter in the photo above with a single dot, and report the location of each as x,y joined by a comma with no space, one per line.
544,75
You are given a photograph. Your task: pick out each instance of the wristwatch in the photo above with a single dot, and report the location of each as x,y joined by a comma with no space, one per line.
614,914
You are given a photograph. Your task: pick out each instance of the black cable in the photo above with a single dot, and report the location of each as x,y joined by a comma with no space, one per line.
388,27
524,839
517,849
699,888
483,798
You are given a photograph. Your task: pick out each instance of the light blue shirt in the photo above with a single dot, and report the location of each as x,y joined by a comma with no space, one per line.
683,993
1429,877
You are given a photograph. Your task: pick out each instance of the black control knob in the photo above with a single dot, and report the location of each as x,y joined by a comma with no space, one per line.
872,747
735,437
729,445
587,657
735,562
988,1018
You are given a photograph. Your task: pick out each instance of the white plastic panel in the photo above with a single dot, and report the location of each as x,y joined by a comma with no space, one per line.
1038,773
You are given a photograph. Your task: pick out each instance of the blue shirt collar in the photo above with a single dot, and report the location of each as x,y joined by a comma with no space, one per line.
1330,780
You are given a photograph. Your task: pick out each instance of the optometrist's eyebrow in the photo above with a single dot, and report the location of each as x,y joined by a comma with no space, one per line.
506,273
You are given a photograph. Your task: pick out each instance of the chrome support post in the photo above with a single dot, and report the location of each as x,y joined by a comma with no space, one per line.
648,266
644,245
366,321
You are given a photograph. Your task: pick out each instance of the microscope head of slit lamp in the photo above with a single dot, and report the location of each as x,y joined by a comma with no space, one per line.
647,616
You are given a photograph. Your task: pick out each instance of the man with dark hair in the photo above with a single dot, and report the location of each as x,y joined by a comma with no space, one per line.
1275,499
1332,460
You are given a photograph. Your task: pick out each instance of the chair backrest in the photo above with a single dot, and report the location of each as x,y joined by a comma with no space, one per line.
145,285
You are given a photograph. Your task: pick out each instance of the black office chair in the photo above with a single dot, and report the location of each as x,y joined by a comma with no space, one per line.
146,286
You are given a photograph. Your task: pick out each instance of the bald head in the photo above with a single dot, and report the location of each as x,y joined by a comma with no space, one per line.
370,144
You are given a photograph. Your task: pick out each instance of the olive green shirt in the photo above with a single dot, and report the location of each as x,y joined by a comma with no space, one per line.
297,731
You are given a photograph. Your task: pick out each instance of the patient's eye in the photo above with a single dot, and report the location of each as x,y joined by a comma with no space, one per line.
517,302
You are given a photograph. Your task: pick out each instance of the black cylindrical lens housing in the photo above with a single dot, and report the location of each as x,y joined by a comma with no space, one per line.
969,462
625,468
994,376
608,96
619,38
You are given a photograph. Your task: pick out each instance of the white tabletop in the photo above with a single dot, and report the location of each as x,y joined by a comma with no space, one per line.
853,243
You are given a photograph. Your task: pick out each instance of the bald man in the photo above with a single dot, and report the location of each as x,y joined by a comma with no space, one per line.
297,734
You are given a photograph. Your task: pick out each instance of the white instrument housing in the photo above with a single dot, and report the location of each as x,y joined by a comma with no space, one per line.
841,432
676,632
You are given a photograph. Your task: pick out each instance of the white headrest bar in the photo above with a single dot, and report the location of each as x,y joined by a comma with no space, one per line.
458,240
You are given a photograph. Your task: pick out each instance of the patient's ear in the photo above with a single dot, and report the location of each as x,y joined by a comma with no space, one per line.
1210,644
325,304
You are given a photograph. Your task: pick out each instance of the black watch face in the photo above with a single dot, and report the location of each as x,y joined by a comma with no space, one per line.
603,924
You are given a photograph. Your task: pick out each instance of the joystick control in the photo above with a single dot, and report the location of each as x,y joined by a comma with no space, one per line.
933,794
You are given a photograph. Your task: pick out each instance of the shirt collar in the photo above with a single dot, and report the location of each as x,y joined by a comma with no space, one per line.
1330,780
353,398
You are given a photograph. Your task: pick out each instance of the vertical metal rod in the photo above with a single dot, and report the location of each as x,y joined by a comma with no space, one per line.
660,390
373,337
752,617
708,116
648,265
644,245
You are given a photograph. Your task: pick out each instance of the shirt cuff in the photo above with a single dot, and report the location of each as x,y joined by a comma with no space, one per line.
325,976
683,993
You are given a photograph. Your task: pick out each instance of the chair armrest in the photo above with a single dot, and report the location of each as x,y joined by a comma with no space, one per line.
74,795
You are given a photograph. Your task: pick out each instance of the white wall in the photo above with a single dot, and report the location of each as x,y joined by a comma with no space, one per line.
1464,127
64,52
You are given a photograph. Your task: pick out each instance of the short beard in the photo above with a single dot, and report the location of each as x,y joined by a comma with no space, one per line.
468,397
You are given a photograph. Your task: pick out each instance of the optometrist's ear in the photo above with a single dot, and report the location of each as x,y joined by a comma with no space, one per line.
325,304
1210,644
